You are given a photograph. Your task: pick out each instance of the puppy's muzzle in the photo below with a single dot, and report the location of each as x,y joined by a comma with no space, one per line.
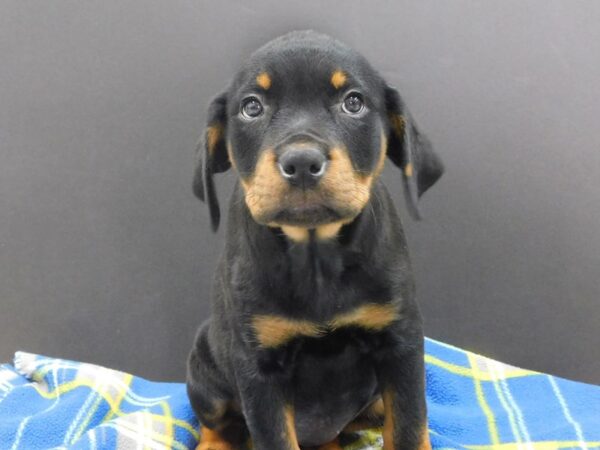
302,166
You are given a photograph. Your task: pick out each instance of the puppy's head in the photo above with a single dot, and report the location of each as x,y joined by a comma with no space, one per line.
307,124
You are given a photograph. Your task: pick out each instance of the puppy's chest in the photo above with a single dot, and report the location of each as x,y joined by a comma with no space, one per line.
315,301
323,296
327,353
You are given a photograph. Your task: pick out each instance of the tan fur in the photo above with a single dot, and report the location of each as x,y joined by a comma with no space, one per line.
330,230
230,156
263,79
371,316
341,187
291,428
346,187
349,187
338,79
382,154
266,188
425,443
301,234
388,421
212,440
398,124
296,234
333,445
213,134
377,409
273,331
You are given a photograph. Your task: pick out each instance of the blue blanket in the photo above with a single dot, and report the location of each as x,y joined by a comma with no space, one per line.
474,403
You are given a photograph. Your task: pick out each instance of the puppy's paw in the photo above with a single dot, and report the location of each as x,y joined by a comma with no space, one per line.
212,440
214,446
334,445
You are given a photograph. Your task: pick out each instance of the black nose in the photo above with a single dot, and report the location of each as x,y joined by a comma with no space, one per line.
302,167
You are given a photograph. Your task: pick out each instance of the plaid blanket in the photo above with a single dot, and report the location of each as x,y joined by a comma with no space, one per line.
474,403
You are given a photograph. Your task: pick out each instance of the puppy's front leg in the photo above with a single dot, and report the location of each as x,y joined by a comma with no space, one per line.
269,414
400,370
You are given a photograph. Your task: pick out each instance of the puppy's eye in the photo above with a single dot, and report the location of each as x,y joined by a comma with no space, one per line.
353,103
251,108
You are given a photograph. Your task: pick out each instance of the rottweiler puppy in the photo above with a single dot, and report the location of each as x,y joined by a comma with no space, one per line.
314,328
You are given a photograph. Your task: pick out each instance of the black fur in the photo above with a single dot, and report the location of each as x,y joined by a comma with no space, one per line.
241,388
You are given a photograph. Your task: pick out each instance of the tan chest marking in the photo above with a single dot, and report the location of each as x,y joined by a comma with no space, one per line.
372,317
273,331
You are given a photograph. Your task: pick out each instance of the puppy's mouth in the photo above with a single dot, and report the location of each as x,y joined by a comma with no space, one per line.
306,214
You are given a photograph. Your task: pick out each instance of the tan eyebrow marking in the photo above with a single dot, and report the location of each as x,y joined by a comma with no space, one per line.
408,170
338,79
263,80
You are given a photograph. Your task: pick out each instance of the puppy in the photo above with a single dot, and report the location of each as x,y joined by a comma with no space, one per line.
314,328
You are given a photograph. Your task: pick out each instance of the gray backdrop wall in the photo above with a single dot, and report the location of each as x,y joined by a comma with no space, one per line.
106,256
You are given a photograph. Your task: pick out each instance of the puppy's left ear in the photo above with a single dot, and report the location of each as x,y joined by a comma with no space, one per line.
411,151
211,157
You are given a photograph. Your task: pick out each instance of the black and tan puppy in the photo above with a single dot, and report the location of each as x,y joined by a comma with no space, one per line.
314,328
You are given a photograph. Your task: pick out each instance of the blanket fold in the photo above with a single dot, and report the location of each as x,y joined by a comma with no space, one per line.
474,403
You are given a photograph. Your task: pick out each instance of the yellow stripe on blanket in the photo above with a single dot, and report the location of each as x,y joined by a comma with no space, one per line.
481,376
493,428
544,445
169,429
89,383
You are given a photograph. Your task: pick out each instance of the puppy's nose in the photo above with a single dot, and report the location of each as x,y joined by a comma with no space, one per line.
302,167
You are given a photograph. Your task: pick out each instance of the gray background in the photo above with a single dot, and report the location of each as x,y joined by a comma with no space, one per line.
106,256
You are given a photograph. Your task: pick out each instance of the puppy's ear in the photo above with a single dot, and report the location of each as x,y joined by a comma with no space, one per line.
211,157
411,151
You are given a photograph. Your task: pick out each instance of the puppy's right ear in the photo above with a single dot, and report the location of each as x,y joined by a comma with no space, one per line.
211,157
